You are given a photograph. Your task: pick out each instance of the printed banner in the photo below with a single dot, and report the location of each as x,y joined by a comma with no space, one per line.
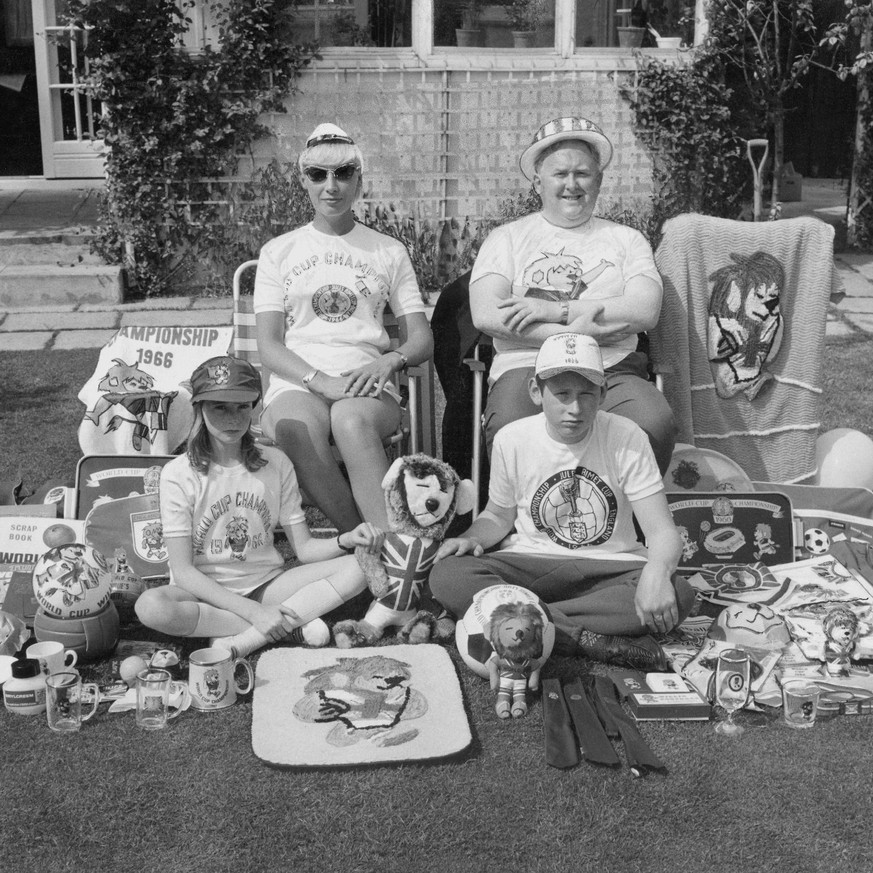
134,401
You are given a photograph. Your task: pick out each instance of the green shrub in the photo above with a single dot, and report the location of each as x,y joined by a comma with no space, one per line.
172,116
682,114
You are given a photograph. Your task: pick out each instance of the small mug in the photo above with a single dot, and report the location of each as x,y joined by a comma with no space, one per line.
63,701
154,688
52,657
799,703
212,678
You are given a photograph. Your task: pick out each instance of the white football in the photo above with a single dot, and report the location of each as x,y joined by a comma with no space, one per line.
71,581
816,541
475,646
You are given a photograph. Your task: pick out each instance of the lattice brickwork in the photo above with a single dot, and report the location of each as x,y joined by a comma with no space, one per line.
447,142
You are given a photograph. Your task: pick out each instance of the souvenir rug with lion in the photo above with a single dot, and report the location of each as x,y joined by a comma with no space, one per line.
342,707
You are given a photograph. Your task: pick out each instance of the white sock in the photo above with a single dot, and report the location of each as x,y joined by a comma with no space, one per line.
309,603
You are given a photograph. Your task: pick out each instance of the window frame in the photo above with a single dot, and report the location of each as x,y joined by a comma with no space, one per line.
423,53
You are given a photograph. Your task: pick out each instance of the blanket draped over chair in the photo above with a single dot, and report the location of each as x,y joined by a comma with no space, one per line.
740,340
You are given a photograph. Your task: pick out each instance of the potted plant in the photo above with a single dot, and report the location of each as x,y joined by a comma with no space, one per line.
347,31
469,33
668,21
633,27
524,18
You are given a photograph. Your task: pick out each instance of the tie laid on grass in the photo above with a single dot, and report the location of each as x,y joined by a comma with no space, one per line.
640,758
560,742
595,744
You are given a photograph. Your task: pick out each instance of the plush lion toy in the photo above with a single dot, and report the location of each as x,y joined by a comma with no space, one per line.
422,496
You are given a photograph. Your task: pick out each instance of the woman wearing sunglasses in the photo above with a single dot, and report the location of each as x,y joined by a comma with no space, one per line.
320,295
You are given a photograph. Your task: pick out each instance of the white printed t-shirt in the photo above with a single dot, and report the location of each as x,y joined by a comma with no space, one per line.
230,514
333,291
573,500
597,258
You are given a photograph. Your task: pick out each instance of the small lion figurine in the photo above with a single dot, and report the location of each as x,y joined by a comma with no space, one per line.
842,629
422,496
515,631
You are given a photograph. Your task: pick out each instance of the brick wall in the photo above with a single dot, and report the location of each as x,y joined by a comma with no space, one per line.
446,142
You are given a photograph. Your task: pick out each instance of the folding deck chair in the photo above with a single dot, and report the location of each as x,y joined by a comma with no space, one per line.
408,437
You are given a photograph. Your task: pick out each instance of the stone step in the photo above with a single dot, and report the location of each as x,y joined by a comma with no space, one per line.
50,284
55,254
74,236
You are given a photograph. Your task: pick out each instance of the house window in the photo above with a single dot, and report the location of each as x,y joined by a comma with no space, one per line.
634,23
371,23
475,24
436,25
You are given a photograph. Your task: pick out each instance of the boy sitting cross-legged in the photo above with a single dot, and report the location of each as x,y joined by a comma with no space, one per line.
565,485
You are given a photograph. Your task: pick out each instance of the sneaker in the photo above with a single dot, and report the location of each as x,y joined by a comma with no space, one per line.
223,643
315,633
635,653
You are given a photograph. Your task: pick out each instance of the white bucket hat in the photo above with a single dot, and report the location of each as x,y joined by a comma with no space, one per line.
568,128
570,352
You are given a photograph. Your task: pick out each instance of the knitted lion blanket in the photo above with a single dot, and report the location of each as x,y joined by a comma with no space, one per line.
741,337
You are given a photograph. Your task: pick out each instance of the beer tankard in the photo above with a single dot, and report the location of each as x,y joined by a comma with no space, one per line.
63,701
212,678
153,691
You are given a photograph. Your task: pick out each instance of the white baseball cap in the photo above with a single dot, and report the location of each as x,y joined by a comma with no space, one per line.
570,352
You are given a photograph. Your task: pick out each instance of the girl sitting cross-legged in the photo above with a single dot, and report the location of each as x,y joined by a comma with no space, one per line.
219,506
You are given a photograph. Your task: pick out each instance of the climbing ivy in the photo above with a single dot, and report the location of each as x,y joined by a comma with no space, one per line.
682,114
173,122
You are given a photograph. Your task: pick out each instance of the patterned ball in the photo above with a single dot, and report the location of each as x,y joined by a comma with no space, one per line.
497,608
750,624
816,541
71,581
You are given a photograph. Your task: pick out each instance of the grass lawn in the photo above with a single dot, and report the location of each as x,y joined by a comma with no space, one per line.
195,798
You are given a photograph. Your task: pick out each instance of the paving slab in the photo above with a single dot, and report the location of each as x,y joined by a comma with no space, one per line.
855,285
860,320
25,342
836,329
856,304
59,308
156,304
195,318
858,262
47,320
212,303
82,339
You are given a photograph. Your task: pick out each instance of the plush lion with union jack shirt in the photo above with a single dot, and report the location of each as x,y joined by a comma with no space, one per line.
422,496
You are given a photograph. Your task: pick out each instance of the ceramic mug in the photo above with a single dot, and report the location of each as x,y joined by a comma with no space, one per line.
212,678
63,701
154,692
52,656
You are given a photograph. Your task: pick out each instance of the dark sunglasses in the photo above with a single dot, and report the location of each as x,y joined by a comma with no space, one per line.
341,174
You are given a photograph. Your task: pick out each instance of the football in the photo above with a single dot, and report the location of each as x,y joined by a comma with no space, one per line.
471,633
816,541
750,624
71,581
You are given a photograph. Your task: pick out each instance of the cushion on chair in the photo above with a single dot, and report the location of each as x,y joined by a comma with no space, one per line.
741,337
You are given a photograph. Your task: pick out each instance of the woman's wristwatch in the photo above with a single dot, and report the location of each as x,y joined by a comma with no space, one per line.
346,549
309,377
403,359
565,311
